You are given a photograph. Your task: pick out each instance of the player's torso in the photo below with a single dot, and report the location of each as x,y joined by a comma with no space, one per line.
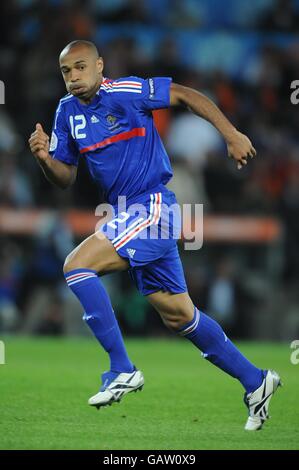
118,139
102,123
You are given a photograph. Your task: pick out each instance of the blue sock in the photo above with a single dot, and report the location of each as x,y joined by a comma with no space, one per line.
99,316
207,335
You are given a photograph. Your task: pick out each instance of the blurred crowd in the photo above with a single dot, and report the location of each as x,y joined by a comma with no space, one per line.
243,55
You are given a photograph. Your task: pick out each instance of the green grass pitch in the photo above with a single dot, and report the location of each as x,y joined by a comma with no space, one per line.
186,402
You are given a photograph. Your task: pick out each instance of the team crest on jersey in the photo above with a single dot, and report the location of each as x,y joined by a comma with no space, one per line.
111,119
112,122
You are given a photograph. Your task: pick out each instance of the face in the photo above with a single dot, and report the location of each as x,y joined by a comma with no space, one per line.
81,71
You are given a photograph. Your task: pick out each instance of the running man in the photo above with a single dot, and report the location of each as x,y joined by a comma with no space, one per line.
110,123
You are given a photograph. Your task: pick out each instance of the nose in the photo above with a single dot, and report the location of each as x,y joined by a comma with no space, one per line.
74,75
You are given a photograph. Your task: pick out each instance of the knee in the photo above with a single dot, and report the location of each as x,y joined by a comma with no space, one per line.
71,262
176,321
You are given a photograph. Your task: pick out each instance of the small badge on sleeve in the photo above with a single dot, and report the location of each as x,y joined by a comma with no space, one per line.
53,142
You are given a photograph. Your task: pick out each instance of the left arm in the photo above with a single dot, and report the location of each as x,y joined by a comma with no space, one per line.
238,145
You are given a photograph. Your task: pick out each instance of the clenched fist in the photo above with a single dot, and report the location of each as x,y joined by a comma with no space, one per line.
39,143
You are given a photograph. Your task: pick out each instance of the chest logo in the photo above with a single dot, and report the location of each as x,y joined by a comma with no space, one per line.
94,119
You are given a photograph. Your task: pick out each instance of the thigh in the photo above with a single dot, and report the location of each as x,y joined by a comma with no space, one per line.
164,274
97,253
163,283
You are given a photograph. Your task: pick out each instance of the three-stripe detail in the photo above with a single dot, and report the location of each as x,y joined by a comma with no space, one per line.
127,86
72,279
140,224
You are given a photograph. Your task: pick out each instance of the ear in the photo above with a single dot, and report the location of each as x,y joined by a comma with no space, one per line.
100,65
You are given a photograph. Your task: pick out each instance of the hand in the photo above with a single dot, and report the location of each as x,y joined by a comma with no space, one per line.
39,143
240,148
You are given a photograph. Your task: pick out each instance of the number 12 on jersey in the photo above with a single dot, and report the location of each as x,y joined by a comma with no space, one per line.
77,126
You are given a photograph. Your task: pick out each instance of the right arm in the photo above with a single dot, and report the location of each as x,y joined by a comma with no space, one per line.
58,173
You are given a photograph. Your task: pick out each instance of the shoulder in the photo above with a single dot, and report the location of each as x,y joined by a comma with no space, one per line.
64,101
66,98
123,87
62,110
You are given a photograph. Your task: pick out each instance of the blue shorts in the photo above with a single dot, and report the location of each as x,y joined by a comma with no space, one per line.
145,232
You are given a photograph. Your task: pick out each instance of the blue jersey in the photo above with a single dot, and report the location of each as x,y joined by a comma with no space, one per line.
117,136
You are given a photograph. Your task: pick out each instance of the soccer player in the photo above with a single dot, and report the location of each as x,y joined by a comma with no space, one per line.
109,123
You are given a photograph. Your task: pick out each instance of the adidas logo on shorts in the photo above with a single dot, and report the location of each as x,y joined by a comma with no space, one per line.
131,252
94,119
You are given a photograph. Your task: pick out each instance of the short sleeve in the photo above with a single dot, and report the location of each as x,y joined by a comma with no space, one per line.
138,93
62,144
156,92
